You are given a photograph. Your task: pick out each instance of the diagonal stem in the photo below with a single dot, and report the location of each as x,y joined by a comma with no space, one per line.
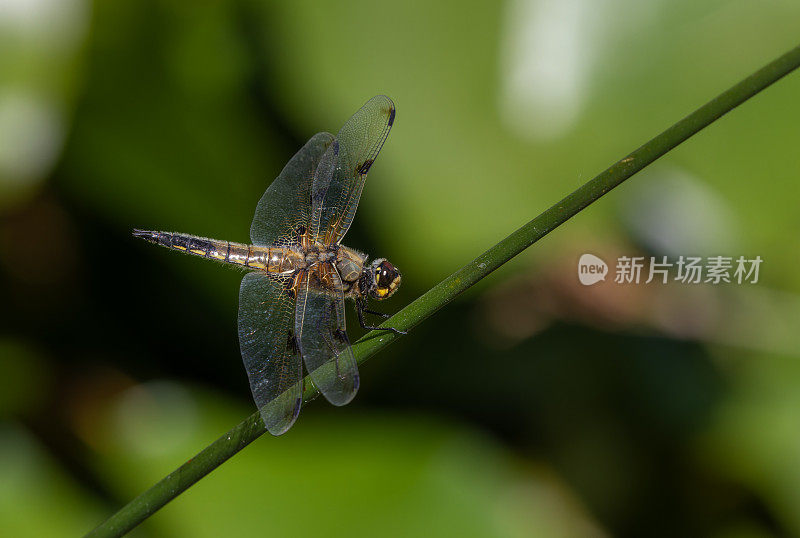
252,427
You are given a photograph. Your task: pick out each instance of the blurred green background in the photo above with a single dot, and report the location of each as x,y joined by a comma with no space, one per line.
532,406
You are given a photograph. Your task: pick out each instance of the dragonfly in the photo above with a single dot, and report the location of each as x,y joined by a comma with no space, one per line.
292,298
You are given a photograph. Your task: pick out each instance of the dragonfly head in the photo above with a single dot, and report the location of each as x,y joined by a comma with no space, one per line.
382,279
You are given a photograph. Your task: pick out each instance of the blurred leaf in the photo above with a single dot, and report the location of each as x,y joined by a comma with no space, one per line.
24,380
168,134
756,439
351,474
36,498
41,53
461,180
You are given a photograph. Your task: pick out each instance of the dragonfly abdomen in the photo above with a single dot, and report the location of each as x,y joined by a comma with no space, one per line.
272,259
269,259
190,244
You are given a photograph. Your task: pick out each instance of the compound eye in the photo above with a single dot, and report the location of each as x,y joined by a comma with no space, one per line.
386,280
385,274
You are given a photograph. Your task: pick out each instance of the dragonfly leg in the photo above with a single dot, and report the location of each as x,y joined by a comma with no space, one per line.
361,307
375,312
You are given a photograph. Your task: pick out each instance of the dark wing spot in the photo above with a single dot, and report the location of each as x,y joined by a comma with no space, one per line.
291,344
288,284
365,166
391,116
341,336
300,230
335,147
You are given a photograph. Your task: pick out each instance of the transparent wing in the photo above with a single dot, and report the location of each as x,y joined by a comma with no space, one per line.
320,329
269,350
337,186
286,203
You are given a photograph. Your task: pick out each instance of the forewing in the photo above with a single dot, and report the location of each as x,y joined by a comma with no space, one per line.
269,350
336,194
320,329
286,204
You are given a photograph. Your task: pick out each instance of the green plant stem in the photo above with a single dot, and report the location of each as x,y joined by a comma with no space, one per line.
252,427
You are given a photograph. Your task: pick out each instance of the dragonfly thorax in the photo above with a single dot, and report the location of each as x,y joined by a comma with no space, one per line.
316,253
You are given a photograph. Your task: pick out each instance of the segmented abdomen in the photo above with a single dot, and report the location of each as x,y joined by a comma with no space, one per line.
270,259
